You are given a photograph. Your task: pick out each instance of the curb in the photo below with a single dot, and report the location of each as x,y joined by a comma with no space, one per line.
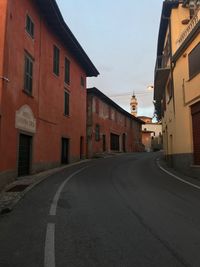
192,182
8,200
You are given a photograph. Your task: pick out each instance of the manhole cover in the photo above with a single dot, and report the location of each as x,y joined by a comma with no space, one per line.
18,188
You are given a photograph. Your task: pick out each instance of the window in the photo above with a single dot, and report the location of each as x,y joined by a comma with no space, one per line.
97,133
29,26
67,71
194,62
82,81
28,74
56,59
66,103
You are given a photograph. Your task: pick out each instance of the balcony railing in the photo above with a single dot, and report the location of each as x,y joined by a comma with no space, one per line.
193,22
162,62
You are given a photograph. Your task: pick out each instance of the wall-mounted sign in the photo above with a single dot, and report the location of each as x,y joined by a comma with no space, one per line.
25,120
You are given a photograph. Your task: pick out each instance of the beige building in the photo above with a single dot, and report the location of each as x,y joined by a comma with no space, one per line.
151,134
177,84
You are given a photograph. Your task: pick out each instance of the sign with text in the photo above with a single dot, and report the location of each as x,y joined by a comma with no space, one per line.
25,120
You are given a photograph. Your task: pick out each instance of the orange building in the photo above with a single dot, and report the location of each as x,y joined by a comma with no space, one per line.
109,127
43,72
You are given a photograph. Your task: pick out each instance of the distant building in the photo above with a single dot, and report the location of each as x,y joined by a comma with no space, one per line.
177,84
151,134
109,127
43,72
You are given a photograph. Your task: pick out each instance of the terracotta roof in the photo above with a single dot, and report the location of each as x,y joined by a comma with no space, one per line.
54,19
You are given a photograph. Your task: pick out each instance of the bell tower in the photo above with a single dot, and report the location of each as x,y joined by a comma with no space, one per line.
134,105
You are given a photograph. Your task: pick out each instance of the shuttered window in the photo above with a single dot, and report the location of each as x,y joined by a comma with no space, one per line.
66,103
67,71
28,74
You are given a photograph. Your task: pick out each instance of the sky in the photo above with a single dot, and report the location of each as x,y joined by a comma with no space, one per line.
120,37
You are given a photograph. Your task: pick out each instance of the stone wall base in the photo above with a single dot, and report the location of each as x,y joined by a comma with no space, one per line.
183,163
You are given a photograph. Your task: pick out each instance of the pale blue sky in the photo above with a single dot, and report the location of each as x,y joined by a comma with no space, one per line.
120,37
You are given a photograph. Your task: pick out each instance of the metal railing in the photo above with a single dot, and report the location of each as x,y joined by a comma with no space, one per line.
162,62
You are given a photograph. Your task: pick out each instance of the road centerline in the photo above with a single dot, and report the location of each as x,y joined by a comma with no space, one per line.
54,204
49,252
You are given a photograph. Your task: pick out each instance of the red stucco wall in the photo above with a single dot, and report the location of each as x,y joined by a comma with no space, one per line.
118,124
47,100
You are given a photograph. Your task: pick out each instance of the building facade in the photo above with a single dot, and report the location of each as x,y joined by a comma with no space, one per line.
43,71
109,127
151,134
177,84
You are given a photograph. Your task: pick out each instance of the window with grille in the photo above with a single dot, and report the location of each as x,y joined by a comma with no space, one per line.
29,26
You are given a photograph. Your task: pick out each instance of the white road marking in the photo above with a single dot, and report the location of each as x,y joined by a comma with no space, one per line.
176,177
49,252
54,204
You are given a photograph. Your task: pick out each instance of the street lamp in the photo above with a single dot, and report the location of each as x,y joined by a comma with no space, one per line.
150,87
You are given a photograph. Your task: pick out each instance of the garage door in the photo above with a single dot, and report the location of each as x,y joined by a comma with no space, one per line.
196,132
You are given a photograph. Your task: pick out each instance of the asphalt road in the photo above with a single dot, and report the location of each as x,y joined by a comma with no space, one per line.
115,212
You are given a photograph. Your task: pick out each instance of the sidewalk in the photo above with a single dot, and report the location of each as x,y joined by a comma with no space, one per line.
15,191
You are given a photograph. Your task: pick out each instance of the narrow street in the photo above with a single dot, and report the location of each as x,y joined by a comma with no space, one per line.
113,212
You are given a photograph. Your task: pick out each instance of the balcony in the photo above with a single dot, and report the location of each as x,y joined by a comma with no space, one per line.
162,71
190,27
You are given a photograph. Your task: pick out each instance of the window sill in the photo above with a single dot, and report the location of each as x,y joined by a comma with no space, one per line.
27,93
66,116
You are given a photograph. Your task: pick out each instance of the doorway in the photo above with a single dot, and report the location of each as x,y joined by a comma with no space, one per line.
104,142
65,151
114,142
195,110
124,142
24,158
81,147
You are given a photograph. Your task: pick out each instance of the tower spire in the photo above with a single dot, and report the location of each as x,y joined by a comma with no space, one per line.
134,104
